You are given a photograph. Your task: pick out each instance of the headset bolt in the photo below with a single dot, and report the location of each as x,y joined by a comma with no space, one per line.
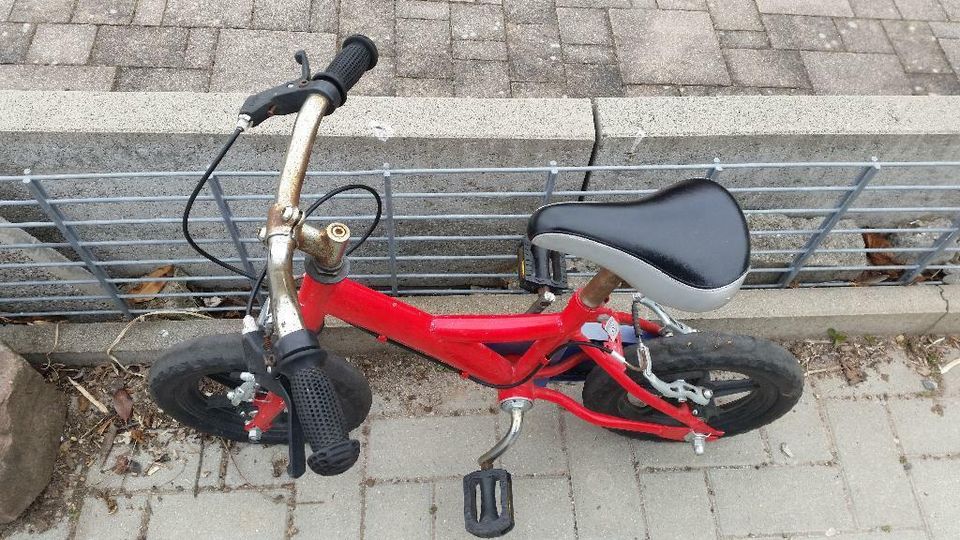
289,213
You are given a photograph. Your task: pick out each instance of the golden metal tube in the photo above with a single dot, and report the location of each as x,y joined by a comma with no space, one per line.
298,153
326,245
597,290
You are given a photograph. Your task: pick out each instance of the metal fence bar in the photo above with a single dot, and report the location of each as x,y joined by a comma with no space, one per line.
714,171
217,190
390,225
938,247
551,184
71,237
866,174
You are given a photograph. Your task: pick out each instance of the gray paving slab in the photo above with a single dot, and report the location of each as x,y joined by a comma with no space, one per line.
281,15
61,44
952,49
830,8
584,26
254,60
863,35
535,54
96,522
201,45
879,487
666,492
476,21
538,89
149,12
944,84
41,11
802,32
743,39
217,13
658,47
325,16
927,426
945,29
372,18
260,514
342,490
893,377
916,46
424,87
423,48
59,531
938,482
147,46
173,467
952,8
769,68
744,449
429,446
14,41
539,450
478,78
480,50
530,11
780,500
735,15
420,9
210,461
256,465
924,10
855,73
400,511
321,520
588,54
605,487
104,11
589,80
800,435
875,9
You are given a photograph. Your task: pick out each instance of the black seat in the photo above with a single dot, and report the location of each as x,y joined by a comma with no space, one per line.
687,244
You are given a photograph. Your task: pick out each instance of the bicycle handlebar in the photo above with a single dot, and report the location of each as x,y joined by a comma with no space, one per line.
358,55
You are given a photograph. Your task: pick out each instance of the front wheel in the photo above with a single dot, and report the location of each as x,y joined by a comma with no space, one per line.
190,381
754,382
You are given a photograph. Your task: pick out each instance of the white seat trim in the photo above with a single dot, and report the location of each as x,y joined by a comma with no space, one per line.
648,279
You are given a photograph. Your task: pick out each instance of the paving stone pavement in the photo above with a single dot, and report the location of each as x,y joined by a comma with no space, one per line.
880,460
491,48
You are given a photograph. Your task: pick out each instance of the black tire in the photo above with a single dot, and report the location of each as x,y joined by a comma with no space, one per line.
772,383
176,377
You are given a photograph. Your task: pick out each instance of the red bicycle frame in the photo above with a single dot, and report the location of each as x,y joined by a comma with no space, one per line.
463,343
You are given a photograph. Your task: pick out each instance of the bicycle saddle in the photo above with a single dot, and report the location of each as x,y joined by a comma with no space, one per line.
686,246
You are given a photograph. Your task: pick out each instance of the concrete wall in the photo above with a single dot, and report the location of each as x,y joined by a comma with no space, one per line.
55,132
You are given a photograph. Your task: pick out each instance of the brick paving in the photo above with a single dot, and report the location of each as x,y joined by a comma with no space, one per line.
491,48
880,460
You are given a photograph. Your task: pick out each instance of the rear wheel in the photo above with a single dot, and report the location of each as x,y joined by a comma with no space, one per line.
754,382
190,382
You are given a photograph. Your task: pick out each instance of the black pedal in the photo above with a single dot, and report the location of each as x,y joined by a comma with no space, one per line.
538,267
493,520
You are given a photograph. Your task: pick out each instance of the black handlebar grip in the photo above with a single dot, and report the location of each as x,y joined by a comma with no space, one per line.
321,417
358,55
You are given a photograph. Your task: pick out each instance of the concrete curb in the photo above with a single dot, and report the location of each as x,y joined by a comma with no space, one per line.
783,314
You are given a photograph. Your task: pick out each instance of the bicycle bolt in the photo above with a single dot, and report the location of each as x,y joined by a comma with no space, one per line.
289,213
262,233
255,434
707,393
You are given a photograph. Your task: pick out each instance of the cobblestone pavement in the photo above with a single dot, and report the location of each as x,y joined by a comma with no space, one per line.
880,460
491,48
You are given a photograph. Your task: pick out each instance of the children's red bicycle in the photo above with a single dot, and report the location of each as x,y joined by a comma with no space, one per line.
686,246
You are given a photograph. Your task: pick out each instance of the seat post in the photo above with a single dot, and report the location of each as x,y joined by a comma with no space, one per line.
596,291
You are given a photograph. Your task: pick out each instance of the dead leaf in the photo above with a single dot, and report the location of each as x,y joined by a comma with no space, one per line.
109,501
852,370
137,437
147,290
107,443
881,258
121,465
123,404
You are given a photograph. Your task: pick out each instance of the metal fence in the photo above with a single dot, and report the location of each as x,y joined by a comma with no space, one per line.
95,233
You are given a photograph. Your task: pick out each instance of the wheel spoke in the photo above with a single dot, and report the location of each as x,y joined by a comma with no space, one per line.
729,388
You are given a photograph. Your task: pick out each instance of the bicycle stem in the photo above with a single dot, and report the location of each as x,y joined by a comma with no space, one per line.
284,219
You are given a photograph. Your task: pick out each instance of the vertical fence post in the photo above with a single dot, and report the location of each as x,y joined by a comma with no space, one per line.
73,239
714,171
847,199
217,190
936,249
551,184
391,227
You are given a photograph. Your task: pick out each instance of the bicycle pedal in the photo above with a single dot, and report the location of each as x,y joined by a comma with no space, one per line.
493,520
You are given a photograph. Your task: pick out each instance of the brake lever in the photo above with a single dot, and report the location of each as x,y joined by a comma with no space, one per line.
286,98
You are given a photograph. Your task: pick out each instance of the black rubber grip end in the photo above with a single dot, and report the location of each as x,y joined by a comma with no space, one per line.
358,55
335,459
